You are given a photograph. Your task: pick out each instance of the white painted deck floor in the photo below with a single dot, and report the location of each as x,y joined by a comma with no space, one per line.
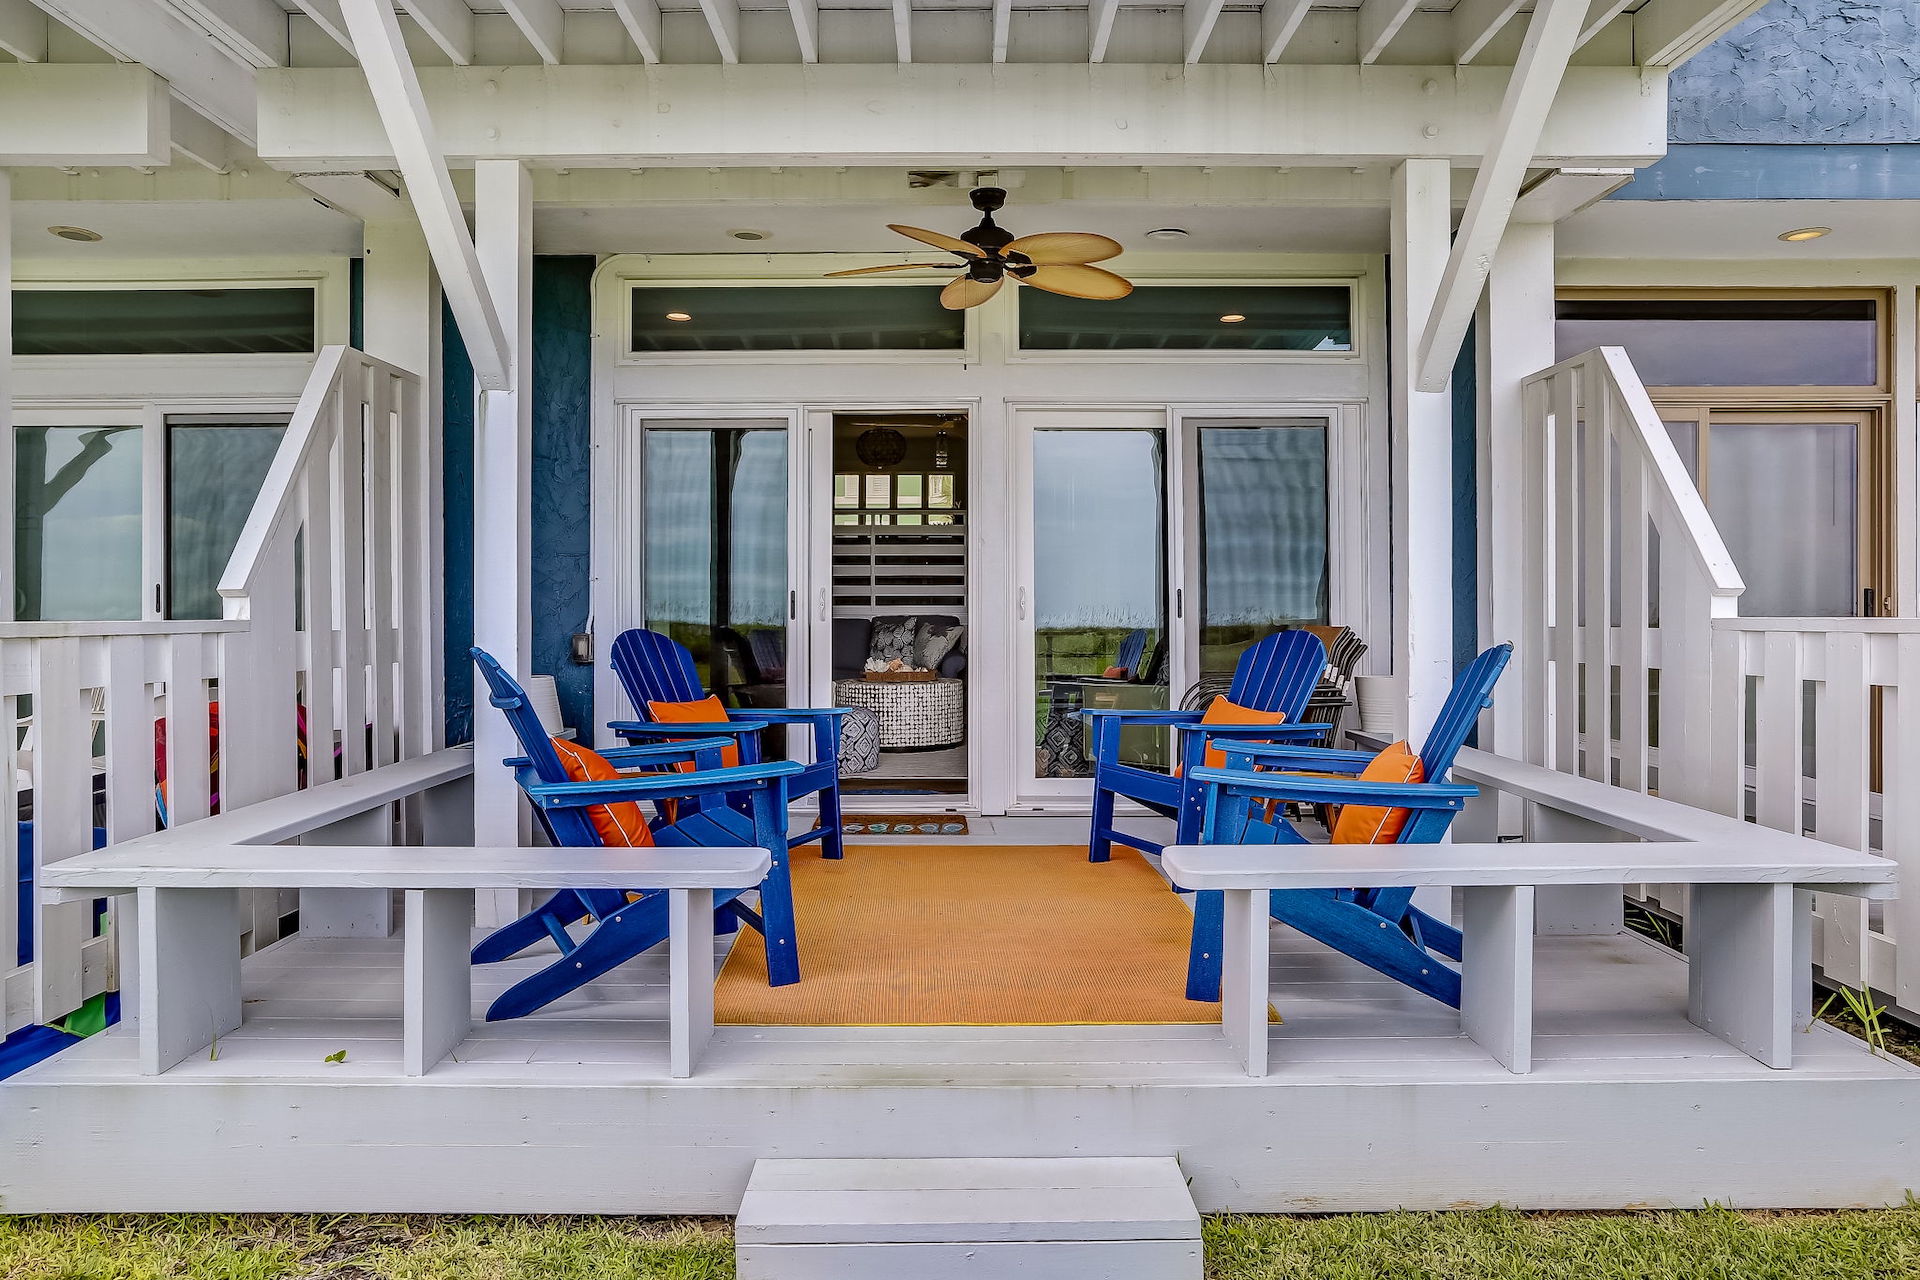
1608,1009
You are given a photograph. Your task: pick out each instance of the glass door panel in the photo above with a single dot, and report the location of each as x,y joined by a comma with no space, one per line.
214,474
1808,566
1099,606
1261,512
714,540
78,534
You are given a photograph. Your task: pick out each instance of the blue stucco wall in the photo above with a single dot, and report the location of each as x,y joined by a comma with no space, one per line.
562,386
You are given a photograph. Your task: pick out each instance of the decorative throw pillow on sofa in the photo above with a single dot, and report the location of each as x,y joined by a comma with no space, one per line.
893,641
934,639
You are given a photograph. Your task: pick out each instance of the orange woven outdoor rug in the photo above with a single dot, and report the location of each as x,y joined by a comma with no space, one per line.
972,935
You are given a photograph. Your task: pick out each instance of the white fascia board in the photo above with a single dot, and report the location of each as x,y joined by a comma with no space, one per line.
198,72
254,31
72,113
1380,22
541,22
448,22
23,30
1668,32
641,18
921,114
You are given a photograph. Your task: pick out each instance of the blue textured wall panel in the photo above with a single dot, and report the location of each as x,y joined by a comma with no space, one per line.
562,468
1750,171
1806,71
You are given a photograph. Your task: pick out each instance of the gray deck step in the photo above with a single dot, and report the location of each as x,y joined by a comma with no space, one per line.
1074,1218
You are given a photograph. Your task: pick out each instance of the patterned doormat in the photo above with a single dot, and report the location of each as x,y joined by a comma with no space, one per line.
902,824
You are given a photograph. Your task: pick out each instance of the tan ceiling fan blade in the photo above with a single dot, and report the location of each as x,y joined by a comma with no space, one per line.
965,292
1080,282
937,239
1050,248
898,266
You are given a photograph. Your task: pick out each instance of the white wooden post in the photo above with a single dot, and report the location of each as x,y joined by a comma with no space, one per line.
1496,972
690,978
1422,447
1517,338
6,396
437,977
503,527
1244,962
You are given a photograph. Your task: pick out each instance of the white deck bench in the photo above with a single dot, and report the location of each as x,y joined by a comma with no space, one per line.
188,980
1748,942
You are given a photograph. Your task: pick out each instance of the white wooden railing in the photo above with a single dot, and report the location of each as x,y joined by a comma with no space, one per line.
1789,722
331,598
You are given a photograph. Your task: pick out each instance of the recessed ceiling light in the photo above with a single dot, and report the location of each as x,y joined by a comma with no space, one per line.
679,316
1167,233
748,233
1232,317
1805,233
76,233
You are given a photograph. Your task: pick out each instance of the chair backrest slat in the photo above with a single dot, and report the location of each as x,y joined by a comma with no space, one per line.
1129,653
1279,673
655,668
1472,693
570,828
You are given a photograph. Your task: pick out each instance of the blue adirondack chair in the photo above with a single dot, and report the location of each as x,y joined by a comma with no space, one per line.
657,668
709,807
1380,928
1279,673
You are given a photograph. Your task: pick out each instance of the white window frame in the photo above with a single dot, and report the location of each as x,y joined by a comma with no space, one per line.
1359,326
966,353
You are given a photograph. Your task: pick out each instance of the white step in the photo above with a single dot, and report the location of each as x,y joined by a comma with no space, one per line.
1076,1218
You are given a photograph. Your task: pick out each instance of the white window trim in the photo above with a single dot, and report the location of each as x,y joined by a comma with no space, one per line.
966,353
1358,322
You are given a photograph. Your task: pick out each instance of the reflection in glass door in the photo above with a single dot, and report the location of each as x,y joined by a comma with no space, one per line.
1099,598
714,538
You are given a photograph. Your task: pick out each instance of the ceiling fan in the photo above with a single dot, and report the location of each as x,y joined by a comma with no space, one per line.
1052,260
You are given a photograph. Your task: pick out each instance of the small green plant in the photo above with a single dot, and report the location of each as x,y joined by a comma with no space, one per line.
338,1055
1860,1005
1652,925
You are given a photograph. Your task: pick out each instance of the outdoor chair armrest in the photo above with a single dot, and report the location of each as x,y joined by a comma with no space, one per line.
1143,717
1287,756
1294,729
650,729
658,786
654,753
1307,789
798,715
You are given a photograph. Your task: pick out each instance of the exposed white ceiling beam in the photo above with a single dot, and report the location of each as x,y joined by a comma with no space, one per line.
200,75
326,16
1100,16
1560,193
395,85
723,19
1599,14
23,30
806,27
201,140
448,22
254,31
1279,19
903,30
978,117
1477,22
1551,34
355,194
1002,28
67,113
1200,16
542,23
641,18
1380,22
1668,32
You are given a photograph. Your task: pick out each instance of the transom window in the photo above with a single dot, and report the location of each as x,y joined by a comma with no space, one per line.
1305,318
690,320
169,321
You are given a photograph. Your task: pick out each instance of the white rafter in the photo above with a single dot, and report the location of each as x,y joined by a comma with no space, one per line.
254,31
199,74
1279,19
641,18
1599,14
806,27
1380,22
723,19
448,22
326,16
1100,16
1551,35
23,30
542,23
1199,18
1477,22
395,85
1002,28
1668,32
903,30
200,139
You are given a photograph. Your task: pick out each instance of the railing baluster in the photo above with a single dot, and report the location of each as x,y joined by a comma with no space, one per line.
1632,655
1841,754
62,822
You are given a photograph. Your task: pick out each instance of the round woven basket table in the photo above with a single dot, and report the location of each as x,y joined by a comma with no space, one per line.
914,714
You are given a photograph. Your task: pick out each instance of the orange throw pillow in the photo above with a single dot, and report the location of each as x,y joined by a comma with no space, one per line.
706,711
1115,673
1372,824
1221,711
622,825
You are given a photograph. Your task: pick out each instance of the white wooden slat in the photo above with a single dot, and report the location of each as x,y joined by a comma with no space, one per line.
189,761
417,553
1533,644
383,522
320,619
62,823
1595,559
1900,817
1632,654
1841,749
1778,725
1565,587
349,520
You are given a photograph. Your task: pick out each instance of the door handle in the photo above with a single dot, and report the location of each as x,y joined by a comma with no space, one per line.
823,604
793,606
1020,602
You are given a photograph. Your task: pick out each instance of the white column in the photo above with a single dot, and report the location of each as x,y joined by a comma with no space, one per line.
1516,337
503,526
1422,224
6,393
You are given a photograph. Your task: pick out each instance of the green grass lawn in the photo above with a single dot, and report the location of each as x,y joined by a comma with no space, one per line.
1709,1244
